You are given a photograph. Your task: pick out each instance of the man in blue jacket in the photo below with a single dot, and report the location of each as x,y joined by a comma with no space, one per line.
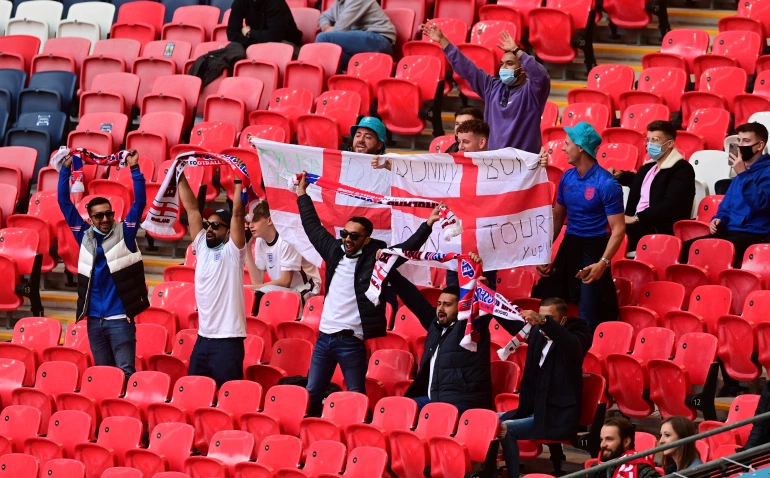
743,217
111,286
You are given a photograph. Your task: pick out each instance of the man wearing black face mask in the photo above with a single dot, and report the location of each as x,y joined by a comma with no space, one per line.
349,317
743,217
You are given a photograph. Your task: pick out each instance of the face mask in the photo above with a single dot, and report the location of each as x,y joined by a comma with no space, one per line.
655,150
508,77
747,152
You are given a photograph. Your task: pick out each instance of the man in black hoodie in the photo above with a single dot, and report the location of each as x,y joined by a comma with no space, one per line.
552,385
349,317
266,21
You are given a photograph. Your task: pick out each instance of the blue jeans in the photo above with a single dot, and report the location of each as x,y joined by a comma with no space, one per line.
424,400
113,343
220,359
520,429
350,353
356,41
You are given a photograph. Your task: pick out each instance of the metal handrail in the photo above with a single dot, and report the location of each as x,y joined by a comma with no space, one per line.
610,466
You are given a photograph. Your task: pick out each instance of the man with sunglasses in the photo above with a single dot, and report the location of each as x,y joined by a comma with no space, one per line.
349,317
219,244
111,286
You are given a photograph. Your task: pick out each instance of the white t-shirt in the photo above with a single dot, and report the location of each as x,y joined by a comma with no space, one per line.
281,256
546,348
219,289
340,307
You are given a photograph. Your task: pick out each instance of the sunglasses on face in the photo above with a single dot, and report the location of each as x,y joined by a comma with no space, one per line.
99,216
354,236
213,225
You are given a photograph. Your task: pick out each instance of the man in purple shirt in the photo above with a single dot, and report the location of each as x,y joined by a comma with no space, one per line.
514,101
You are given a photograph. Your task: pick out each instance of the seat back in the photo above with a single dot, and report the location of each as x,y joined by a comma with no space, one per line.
662,296
292,355
436,419
56,377
36,333
371,67
695,352
278,53
726,81
152,13
173,441
741,45
714,255
611,79
201,15
710,302
659,250
101,381
240,396
19,464
686,43
366,461
288,403
711,124
654,343
19,243
424,71
345,408
341,106
756,306
249,90
637,117
147,387
120,434
279,451
477,428
324,456
487,33
124,48
19,422
193,392
70,428
390,366
232,447
612,338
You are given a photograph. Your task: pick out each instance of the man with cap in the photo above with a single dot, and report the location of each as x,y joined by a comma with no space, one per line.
591,199
219,243
368,136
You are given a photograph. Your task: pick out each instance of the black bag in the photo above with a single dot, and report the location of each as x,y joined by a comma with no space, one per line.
208,67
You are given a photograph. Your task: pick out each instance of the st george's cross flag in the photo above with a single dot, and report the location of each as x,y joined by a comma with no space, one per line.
502,198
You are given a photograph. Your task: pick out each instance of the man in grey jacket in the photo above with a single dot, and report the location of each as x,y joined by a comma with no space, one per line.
358,26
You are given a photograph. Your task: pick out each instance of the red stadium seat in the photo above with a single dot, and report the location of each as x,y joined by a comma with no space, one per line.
620,156
286,105
475,430
627,374
278,451
18,51
225,109
416,81
307,22
62,54
707,256
707,304
605,85
66,430
165,318
117,435
757,259
280,306
711,125
341,106
190,393
441,143
743,46
289,357
365,70
487,33
325,55
340,410
143,389
741,408
631,14
611,338
53,378
667,84
230,448
736,23
654,253
179,52
175,365
268,132
679,49
170,446
278,54
544,24
97,384
192,24
148,70
285,408
386,368
747,105
141,21
390,413
718,89
31,335
20,464
408,451
235,398
111,126
455,9
111,93
17,424
324,456
596,114
757,10
671,381
157,133
174,93
248,90
742,283
125,472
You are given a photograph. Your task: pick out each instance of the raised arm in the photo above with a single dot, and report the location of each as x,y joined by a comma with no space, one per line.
412,298
323,242
131,224
238,221
574,343
190,203
256,274
68,209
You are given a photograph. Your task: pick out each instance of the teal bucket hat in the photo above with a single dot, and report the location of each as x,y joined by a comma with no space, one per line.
373,124
585,136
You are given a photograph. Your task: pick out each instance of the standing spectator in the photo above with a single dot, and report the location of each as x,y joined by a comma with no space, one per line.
514,101
287,269
349,317
266,21
743,217
682,457
592,201
368,136
358,26
220,244
111,292
449,372
551,388
617,440
461,116
663,189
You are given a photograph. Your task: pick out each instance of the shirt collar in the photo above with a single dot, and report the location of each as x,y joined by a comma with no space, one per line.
360,251
589,173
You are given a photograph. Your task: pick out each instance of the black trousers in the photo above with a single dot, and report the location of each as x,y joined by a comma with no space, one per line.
220,359
741,241
638,230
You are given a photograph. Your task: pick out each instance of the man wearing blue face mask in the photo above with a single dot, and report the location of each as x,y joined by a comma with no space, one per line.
514,101
662,190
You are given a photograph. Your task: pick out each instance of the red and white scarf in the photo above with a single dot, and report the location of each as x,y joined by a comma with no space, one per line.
81,156
476,299
450,224
629,470
517,340
164,211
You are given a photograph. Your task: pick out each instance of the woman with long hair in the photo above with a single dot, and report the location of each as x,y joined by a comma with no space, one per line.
682,457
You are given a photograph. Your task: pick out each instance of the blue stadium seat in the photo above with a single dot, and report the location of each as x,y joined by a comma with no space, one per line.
36,100
3,124
64,82
13,81
5,100
172,5
52,122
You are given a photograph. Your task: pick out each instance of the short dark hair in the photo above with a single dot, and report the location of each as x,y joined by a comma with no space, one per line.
561,305
452,290
474,126
470,110
625,429
262,209
757,128
664,126
366,223
95,202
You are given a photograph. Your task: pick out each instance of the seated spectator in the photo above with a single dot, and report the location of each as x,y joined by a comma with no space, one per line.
743,217
760,431
368,136
449,372
268,252
617,440
551,388
266,21
682,457
591,200
461,116
514,101
358,26
663,189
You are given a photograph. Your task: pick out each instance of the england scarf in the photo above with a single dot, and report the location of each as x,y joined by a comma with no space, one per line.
476,299
81,156
164,211
629,470
450,224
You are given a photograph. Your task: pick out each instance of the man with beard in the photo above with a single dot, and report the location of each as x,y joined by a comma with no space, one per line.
368,136
219,243
617,440
349,317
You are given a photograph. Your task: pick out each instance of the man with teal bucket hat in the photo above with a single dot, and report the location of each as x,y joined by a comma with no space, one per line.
592,201
368,136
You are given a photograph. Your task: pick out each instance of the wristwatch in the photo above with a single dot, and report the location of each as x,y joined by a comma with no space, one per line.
517,50
606,261
636,217
237,181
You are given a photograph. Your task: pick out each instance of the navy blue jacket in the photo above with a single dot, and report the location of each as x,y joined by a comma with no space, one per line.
746,206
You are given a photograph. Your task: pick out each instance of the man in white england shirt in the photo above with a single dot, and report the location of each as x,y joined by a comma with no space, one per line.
220,247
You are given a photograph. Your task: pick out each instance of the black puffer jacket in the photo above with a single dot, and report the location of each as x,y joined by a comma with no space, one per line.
373,319
460,377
